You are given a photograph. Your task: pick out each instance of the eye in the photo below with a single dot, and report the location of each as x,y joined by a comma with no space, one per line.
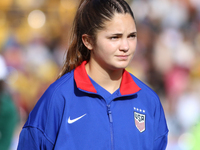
132,36
114,37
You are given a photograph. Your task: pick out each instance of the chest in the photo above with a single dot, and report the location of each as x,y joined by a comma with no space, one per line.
121,124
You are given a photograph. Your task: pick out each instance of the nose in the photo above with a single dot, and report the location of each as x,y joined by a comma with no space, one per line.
124,46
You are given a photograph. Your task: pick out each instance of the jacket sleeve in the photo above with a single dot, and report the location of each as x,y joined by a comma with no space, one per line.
161,130
161,142
41,128
33,139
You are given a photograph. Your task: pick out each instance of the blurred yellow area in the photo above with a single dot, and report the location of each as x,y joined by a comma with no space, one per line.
31,85
14,18
39,23
5,5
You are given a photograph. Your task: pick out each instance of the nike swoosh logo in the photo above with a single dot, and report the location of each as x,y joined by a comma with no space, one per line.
74,120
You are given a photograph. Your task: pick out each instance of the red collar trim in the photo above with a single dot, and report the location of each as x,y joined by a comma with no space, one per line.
128,85
82,80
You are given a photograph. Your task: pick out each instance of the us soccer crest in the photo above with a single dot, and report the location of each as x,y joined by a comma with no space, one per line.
139,121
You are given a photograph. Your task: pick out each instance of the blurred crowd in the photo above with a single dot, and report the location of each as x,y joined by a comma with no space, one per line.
168,59
34,37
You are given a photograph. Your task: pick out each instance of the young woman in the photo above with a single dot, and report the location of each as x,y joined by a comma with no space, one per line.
96,104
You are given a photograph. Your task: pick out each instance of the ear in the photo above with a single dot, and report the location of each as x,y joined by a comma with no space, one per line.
87,41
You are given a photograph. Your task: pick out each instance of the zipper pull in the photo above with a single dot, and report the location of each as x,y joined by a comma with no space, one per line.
109,113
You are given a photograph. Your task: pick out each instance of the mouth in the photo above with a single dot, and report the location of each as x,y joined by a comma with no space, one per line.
122,57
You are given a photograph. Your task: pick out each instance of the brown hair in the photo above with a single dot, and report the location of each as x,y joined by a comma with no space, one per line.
89,18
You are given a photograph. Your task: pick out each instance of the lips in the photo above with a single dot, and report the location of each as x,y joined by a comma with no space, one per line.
123,57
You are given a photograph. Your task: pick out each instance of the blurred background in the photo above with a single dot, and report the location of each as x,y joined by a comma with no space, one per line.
34,37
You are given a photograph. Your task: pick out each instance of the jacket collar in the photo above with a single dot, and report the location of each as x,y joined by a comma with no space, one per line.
128,85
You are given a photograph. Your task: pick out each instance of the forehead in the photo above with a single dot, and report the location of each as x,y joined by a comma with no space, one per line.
120,23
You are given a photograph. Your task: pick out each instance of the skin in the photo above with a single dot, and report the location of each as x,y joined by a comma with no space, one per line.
114,49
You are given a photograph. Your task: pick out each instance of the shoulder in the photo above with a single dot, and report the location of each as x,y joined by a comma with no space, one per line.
64,82
53,94
51,104
143,85
149,98
146,91
57,88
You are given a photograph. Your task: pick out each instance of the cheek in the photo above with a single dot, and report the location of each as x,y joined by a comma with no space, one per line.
107,48
133,45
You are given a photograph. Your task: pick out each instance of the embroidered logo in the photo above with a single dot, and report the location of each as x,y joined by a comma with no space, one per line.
70,121
139,121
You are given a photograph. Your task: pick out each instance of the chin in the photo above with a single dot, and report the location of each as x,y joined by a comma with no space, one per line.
123,65
120,67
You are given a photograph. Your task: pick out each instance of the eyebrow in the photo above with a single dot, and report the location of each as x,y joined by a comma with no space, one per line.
119,34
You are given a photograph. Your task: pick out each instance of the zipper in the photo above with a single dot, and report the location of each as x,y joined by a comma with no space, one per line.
111,126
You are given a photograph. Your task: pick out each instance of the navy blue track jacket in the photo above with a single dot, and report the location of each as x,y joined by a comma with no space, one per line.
72,115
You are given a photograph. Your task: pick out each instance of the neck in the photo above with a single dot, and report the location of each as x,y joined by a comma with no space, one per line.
108,79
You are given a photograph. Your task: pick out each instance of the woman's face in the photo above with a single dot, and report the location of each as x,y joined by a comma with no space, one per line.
116,43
